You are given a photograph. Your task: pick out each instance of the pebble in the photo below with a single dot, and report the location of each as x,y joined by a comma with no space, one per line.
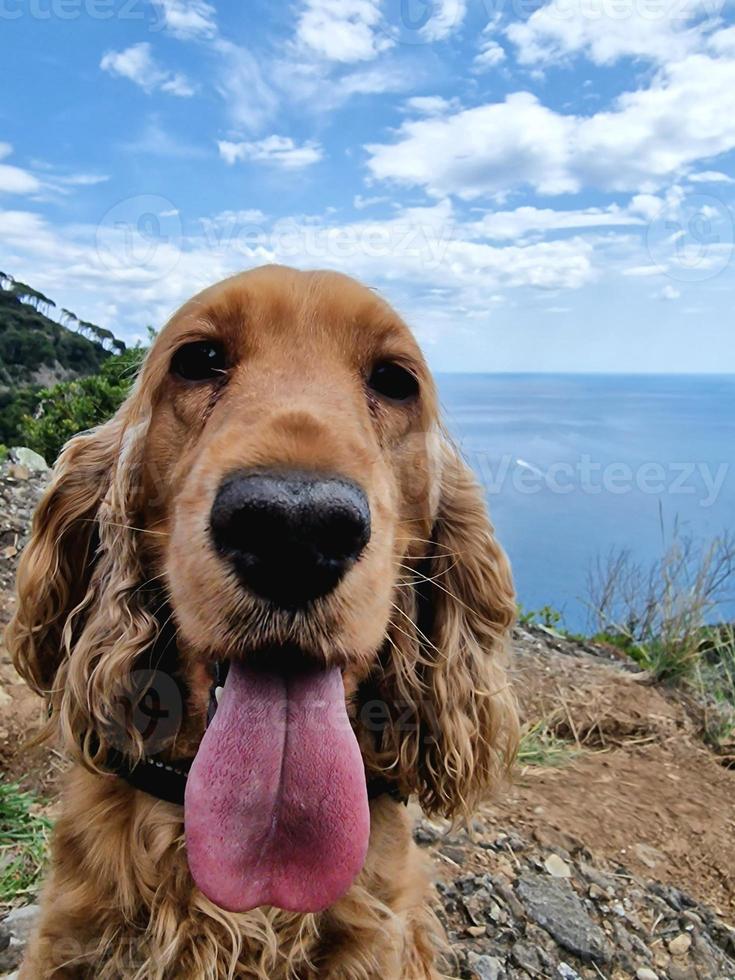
484,967
557,867
645,974
679,946
567,973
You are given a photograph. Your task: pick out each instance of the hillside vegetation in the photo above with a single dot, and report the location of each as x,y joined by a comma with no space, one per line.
39,354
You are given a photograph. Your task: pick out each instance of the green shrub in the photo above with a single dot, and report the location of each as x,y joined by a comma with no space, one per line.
73,406
545,616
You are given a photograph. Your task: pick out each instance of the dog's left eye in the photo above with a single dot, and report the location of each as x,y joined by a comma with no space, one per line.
202,360
393,381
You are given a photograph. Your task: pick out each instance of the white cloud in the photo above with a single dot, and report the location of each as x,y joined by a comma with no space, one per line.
82,180
517,224
15,180
723,42
490,56
642,271
481,150
281,151
360,203
710,177
409,253
249,98
342,30
319,87
431,105
646,138
658,31
188,19
137,64
669,293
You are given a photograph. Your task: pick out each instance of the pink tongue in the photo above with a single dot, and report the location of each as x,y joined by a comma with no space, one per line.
276,809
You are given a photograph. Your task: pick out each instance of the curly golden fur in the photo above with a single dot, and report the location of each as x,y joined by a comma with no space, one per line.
420,622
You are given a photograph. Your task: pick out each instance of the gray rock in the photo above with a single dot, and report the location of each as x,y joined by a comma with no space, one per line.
566,972
28,458
526,956
552,904
484,967
20,922
15,930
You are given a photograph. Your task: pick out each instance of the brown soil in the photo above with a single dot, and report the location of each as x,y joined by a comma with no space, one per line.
644,792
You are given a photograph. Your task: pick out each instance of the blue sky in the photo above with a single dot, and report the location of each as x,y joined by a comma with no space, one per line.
536,186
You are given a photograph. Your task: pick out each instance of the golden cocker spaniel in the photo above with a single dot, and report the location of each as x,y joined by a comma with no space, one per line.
266,607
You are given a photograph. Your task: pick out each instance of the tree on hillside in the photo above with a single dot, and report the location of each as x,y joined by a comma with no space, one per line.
67,317
34,298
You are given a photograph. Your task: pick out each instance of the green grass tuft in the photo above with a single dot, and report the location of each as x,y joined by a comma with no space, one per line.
23,844
543,749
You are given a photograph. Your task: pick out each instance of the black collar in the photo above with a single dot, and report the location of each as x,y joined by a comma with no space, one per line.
167,780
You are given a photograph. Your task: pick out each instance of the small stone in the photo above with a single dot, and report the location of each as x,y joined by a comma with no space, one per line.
597,893
557,867
20,922
454,854
526,956
566,972
643,973
677,971
476,931
484,967
29,459
10,552
679,946
497,914
18,472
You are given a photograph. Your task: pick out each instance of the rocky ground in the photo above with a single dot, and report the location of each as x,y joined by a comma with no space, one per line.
611,855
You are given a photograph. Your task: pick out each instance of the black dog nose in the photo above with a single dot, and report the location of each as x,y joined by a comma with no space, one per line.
291,535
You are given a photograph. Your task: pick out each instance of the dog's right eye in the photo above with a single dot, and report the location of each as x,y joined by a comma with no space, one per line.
202,360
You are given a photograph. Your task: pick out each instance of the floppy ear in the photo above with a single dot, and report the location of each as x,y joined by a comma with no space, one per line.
55,567
457,733
82,618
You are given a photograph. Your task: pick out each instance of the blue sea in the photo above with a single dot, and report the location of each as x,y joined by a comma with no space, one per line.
576,465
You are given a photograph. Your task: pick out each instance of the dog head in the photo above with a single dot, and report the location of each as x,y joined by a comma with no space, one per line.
277,491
